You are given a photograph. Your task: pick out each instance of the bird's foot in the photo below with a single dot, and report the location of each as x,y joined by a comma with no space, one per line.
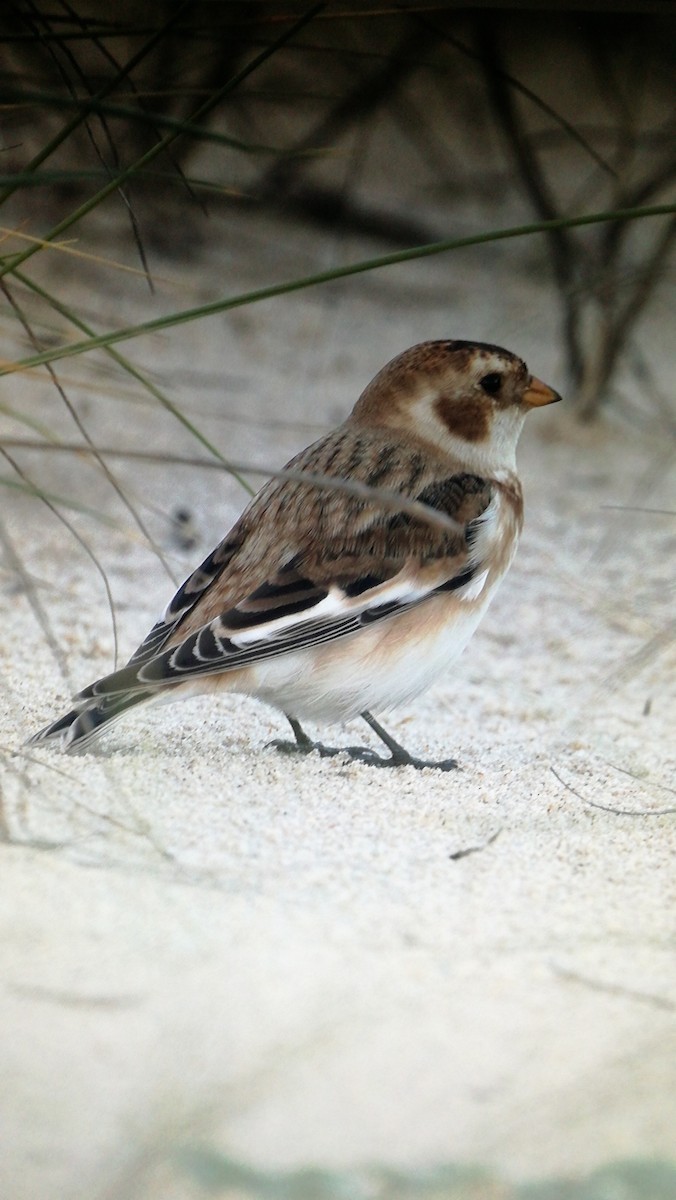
307,746
399,757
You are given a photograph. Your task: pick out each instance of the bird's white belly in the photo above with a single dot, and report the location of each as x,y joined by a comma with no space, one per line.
378,668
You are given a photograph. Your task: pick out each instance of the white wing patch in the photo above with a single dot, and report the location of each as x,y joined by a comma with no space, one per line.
473,589
335,606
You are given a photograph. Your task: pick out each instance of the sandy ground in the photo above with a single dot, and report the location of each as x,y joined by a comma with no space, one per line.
296,962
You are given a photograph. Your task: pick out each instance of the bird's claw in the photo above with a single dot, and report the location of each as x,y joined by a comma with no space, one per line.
361,754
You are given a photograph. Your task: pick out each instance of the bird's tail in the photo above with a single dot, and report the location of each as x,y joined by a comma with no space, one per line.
85,723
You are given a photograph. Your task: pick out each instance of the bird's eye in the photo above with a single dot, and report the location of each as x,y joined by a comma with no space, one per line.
491,383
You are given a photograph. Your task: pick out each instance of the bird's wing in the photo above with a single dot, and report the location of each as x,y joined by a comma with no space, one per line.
369,567
289,520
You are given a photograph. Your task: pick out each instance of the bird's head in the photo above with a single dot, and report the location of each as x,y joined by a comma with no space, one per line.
468,399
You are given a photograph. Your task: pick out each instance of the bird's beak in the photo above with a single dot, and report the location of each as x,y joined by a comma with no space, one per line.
538,393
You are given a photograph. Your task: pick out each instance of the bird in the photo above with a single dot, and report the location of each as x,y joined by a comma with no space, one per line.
355,578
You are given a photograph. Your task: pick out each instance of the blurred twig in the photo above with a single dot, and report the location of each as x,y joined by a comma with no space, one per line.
601,303
201,111
296,285
381,497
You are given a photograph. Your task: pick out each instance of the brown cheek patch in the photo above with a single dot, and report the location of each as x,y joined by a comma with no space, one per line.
469,420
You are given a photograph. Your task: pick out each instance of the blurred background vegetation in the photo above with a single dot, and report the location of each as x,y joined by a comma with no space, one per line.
171,161
407,124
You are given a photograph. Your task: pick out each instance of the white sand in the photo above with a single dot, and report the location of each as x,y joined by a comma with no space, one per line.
204,941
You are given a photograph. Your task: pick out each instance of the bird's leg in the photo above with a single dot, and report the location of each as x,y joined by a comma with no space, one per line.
304,745
399,757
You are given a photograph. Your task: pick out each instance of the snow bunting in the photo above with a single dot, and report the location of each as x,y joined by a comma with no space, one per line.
328,604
